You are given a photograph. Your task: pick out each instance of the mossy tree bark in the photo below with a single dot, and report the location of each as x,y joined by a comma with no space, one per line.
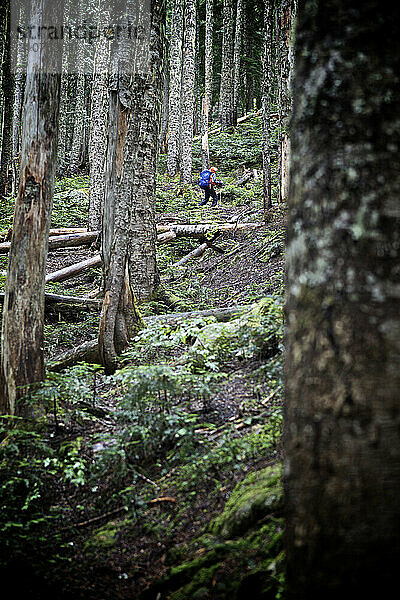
342,444
22,359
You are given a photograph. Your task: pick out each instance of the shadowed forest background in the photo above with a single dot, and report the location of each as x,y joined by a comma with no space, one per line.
199,401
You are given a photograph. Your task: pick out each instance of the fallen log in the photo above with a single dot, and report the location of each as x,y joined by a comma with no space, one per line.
168,234
6,235
89,351
74,270
71,300
199,230
62,241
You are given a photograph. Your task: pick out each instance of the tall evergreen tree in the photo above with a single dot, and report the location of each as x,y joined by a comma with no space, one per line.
342,443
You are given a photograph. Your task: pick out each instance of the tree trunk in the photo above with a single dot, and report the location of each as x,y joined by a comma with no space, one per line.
266,106
165,116
285,67
208,81
342,443
19,86
226,92
98,122
175,83
129,232
236,58
7,88
75,161
188,82
22,362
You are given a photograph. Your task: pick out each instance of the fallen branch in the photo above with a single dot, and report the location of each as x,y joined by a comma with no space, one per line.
199,251
74,270
116,511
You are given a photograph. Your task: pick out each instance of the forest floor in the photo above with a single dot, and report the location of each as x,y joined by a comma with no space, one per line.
151,455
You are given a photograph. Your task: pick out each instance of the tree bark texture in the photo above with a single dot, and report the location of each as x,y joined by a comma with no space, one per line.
285,66
129,231
98,125
342,443
22,362
226,90
19,86
175,84
77,145
7,82
266,105
236,58
188,83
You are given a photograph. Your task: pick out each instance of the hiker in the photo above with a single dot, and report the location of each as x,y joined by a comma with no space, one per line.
208,181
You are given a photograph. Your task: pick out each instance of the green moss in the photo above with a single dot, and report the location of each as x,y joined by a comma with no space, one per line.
104,539
257,496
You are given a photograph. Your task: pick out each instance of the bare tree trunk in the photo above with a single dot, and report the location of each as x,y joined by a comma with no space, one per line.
98,130
188,82
127,217
175,86
285,65
226,92
7,88
342,443
208,81
165,116
75,160
236,58
22,362
17,110
266,106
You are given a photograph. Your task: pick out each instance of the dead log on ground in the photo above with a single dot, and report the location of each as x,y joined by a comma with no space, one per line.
6,235
74,270
62,241
71,300
201,229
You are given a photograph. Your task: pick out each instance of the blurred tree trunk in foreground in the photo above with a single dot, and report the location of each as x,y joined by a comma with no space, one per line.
342,443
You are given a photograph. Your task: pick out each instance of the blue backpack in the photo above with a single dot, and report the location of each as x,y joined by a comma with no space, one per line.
204,179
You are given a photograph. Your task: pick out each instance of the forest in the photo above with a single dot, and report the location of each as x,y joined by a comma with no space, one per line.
199,299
